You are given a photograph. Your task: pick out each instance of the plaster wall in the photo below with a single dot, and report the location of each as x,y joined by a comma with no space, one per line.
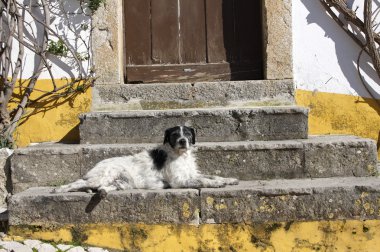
325,57
77,34
325,67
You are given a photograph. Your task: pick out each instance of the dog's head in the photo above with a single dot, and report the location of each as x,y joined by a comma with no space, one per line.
180,138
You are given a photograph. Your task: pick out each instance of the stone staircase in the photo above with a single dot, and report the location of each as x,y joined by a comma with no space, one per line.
285,175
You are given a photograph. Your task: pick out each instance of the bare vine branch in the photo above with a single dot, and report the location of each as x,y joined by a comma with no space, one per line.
26,25
367,27
370,36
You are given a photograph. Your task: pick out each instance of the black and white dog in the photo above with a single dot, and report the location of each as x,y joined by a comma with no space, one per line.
171,165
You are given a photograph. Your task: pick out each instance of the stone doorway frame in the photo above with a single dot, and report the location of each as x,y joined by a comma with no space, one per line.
108,51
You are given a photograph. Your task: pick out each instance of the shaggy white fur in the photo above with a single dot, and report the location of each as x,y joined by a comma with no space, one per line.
170,165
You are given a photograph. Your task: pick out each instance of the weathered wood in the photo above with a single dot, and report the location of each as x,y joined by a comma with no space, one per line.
137,32
220,30
192,72
165,28
192,31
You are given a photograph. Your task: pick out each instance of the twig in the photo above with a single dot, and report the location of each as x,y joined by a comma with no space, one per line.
370,35
372,38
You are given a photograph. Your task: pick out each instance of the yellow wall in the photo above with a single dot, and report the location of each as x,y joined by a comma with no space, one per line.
328,236
341,114
51,119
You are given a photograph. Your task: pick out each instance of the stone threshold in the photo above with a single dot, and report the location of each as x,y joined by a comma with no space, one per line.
157,96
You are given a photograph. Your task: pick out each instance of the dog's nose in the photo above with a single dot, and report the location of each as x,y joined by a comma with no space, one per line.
182,142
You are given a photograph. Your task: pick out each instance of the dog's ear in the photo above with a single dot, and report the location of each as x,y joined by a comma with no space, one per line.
192,130
167,135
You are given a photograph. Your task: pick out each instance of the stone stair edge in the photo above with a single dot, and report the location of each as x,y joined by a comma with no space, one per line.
73,148
193,83
251,201
357,183
192,94
282,109
212,124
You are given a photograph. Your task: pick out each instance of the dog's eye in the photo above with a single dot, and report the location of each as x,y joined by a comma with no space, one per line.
175,134
187,134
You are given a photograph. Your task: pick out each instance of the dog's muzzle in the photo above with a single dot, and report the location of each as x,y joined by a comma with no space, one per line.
183,143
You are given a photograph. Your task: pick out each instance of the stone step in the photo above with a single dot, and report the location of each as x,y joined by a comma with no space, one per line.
213,125
322,156
193,95
248,202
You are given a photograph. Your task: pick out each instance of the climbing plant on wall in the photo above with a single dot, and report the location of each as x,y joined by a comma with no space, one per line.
53,33
365,32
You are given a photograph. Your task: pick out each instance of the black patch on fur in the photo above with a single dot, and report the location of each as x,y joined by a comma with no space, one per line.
94,201
159,158
168,134
191,131
166,185
102,193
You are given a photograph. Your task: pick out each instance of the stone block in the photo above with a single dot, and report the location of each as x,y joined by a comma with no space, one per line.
292,200
57,164
340,155
52,164
106,48
37,206
5,176
193,95
213,125
252,160
278,51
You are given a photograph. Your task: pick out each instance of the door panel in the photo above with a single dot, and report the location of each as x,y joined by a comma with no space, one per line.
219,30
138,49
192,40
192,31
165,30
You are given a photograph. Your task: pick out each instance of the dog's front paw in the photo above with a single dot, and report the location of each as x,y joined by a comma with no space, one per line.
216,184
56,190
231,181
102,193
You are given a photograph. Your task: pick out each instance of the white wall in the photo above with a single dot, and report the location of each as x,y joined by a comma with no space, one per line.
325,56
61,14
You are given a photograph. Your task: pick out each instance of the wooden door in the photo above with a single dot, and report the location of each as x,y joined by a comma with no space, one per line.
192,40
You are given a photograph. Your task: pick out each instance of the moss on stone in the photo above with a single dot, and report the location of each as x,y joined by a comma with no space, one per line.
78,235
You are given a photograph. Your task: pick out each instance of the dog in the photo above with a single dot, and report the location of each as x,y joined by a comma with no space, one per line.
171,165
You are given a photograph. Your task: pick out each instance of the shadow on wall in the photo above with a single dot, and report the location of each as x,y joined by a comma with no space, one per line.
347,51
53,118
70,27
348,54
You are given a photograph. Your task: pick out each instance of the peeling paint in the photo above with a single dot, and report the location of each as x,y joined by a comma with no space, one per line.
210,201
220,206
186,210
341,114
291,236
